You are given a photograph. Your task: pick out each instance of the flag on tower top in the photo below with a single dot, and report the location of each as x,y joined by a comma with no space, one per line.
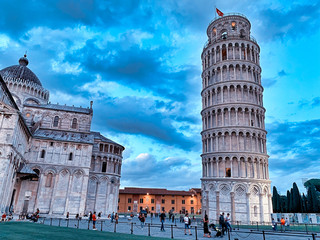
219,12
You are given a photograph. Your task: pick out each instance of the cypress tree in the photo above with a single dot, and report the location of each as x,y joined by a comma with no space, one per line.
296,199
309,201
315,200
288,201
304,203
275,202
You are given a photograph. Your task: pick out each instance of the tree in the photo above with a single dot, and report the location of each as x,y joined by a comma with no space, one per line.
296,199
276,200
304,203
289,205
313,182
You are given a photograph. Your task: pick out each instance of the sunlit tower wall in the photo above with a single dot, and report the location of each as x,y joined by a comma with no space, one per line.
235,176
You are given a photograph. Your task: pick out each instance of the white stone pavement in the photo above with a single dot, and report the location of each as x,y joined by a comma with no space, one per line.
126,225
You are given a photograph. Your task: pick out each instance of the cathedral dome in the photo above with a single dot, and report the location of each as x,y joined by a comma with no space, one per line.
20,72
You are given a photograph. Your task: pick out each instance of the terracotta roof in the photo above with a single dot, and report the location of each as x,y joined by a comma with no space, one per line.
154,191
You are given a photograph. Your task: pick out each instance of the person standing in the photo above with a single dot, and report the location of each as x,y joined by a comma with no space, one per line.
90,216
187,223
282,222
206,232
112,216
162,219
94,219
287,224
222,223
274,225
116,217
228,222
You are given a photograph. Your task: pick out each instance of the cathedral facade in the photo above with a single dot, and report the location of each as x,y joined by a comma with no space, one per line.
49,157
235,171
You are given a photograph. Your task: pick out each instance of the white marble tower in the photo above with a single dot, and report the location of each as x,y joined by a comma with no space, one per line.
235,176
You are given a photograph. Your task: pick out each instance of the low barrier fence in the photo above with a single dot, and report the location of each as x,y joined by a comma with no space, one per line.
176,230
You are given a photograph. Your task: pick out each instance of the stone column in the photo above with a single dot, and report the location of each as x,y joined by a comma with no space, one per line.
233,209
261,207
248,208
53,193
218,205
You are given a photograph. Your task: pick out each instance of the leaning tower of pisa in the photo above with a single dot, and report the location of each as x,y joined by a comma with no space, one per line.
235,176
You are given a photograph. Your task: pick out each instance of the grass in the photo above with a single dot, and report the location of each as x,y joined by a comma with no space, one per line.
32,231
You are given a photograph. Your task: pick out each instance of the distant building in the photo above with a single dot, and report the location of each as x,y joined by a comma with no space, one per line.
49,157
158,199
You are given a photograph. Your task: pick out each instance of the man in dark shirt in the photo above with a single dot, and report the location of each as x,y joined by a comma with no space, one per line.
162,219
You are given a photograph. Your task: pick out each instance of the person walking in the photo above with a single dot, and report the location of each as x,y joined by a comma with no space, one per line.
162,219
206,232
94,219
228,222
187,223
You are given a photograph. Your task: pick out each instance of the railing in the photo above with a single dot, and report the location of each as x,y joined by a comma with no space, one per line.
254,230
229,14
216,40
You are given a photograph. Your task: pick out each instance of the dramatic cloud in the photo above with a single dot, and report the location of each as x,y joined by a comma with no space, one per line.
140,63
294,150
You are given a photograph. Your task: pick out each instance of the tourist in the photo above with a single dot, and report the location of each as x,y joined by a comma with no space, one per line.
206,232
172,217
287,224
142,219
162,219
94,219
112,216
77,215
222,223
151,214
3,218
116,217
283,222
228,222
274,225
99,215
187,223
90,216
67,216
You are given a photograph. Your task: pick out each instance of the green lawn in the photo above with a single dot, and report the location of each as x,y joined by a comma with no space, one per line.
34,231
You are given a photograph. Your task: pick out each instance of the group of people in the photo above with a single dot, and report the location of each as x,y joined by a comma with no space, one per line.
224,222
284,223
4,217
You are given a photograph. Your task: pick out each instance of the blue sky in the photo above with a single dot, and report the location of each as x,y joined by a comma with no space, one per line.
139,61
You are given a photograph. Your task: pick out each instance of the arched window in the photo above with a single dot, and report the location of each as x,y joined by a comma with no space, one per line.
43,153
49,180
74,123
56,121
37,171
70,156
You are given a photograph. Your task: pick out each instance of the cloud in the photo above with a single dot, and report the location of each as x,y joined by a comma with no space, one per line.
138,116
269,82
315,102
289,22
294,149
170,172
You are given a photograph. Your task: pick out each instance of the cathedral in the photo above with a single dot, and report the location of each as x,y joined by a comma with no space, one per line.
49,157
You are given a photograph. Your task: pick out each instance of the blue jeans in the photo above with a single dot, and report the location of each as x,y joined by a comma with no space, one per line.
162,226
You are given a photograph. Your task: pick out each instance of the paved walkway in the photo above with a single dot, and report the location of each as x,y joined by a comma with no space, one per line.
175,229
